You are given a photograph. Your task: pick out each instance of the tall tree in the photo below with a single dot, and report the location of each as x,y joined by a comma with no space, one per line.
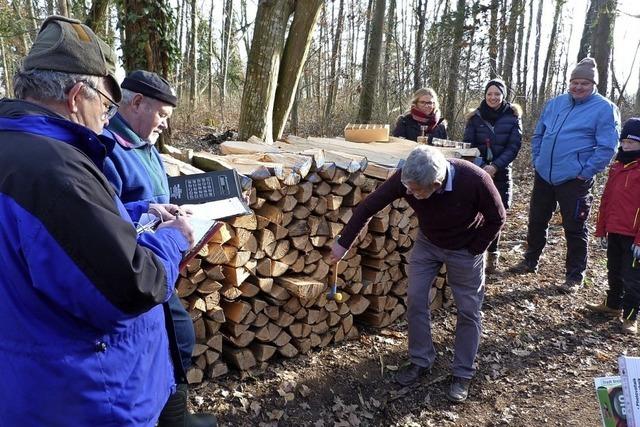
507,70
525,53
551,51
587,30
333,76
226,48
193,56
602,41
458,34
419,44
372,68
273,68
536,55
493,39
388,51
63,8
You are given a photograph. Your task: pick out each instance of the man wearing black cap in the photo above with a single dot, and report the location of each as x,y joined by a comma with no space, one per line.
135,170
82,335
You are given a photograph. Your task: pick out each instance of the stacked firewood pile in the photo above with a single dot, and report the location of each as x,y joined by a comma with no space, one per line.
259,289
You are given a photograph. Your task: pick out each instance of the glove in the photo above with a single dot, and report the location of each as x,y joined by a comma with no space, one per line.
636,251
602,242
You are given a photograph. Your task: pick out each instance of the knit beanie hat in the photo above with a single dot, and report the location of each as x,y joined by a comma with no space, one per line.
499,83
586,69
631,129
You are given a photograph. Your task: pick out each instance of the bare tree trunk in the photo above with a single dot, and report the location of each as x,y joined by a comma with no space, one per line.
5,70
452,89
23,37
551,51
509,55
244,24
602,41
525,70
467,69
566,63
226,49
33,19
210,62
294,57
367,30
263,66
333,77
418,73
193,86
536,55
624,86
367,95
391,27
519,47
502,37
587,30
493,40
62,8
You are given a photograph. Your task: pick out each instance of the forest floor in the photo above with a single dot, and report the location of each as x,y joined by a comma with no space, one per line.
539,353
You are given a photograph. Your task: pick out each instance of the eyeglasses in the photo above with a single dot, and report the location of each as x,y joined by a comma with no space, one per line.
111,108
425,103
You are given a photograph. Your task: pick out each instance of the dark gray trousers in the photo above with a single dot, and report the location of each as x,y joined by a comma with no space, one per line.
465,275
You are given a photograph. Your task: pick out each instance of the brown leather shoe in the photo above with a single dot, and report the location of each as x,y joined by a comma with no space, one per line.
603,308
410,374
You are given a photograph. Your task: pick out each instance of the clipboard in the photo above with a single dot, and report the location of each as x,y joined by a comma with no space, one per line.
203,240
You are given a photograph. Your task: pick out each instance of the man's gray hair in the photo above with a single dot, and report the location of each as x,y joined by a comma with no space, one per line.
424,166
47,85
127,96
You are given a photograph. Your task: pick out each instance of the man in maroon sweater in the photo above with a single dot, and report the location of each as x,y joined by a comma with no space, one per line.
459,214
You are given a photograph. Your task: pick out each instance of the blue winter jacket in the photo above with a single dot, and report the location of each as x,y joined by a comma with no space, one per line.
128,159
82,335
504,138
575,138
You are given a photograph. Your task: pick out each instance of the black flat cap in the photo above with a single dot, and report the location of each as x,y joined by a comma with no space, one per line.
151,85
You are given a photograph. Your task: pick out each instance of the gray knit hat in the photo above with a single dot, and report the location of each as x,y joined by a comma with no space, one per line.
66,45
586,69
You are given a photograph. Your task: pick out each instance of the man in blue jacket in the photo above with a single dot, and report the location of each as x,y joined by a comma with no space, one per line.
575,138
136,171
82,334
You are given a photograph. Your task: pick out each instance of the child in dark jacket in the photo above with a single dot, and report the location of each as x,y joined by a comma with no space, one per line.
618,229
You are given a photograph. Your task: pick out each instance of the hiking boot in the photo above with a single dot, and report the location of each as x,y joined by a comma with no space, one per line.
459,389
410,374
493,263
630,327
570,286
603,308
175,413
524,267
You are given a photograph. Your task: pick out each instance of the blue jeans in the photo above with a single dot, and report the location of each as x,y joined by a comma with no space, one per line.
465,275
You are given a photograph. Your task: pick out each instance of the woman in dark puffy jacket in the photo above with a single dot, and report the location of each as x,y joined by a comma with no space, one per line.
495,128
423,119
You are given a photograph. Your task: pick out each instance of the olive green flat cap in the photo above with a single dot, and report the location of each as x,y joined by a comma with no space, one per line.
67,45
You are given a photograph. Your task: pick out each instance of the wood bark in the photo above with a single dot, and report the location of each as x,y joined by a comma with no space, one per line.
602,41
333,76
367,95
452,88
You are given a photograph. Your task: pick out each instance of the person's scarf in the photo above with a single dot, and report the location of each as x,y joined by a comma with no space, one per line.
428,120
627,157
492,115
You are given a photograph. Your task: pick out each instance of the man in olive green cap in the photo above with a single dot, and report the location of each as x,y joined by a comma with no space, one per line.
82,330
